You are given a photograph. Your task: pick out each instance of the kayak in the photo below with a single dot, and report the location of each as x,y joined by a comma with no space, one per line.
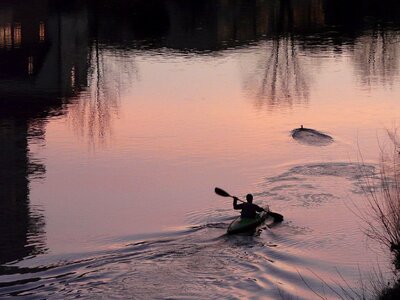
246,224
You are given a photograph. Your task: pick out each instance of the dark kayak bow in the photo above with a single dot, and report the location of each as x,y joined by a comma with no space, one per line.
247,224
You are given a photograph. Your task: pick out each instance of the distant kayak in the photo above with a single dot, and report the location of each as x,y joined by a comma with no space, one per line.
246,224
311,137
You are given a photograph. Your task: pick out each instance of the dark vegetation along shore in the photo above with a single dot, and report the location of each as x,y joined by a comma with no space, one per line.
381,218
380,221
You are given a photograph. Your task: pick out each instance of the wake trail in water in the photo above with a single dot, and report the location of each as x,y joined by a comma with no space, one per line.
203,262
200,263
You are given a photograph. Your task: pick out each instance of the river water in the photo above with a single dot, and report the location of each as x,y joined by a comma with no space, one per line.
119,118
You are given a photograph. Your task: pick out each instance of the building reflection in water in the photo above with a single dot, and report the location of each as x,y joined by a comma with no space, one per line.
37,53
21,226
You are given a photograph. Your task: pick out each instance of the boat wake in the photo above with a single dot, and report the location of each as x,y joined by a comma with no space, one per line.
293,259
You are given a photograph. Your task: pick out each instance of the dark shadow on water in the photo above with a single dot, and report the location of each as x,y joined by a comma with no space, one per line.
21,225
37,57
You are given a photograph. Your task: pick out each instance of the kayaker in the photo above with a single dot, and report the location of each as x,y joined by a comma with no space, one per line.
249,209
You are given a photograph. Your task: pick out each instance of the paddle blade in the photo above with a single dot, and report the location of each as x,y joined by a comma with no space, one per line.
221,192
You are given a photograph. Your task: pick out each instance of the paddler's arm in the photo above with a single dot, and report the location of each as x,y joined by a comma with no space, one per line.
260,209
235,204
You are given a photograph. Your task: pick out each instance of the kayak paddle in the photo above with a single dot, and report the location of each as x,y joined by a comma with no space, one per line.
223,193
277,217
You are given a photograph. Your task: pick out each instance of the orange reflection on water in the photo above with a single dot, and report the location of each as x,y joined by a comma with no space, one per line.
30,65
42,32
17,35
10,35
5,36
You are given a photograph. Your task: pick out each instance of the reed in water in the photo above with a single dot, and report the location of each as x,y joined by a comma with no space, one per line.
382,216
381,223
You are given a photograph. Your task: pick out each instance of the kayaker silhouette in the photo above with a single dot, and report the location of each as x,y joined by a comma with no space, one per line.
277,217
249,210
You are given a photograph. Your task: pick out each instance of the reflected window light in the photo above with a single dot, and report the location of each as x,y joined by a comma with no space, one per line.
42,32
2,37
17,35
8,36
73,77
30,65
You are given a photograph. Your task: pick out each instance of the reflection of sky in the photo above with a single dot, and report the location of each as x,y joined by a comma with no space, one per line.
186,125
142,137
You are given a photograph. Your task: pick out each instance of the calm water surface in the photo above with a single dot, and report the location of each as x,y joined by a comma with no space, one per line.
118,119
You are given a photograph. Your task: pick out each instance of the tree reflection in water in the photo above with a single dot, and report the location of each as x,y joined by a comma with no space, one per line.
376,57
282,79
91,115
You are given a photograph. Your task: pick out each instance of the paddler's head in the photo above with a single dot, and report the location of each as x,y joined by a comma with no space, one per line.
249,198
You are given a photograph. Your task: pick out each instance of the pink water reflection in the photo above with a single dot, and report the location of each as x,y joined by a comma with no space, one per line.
183,128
